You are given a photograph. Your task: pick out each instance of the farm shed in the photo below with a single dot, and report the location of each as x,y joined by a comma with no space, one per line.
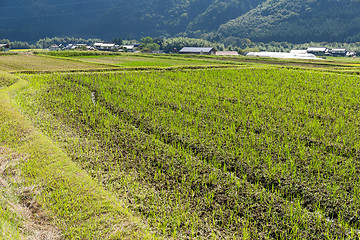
54,48
106,46
341,52
129,48
227,53
198,50
98,45
319,51
109,46
4,47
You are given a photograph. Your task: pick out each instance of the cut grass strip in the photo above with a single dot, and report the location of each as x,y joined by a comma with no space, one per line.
78,205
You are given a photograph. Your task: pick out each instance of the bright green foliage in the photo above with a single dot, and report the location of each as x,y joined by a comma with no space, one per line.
71,199
245,153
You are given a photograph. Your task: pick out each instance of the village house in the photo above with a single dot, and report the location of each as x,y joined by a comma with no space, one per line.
82,46
129,48
4,47
318,51
106,46
338,52
198,50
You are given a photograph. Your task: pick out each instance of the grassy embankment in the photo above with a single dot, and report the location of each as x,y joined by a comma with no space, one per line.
10,220
54,189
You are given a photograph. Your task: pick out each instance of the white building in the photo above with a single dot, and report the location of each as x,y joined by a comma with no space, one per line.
321,51
282,55
106,46
129,48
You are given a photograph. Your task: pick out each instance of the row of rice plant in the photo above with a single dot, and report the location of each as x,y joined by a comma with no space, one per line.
247,153
296,130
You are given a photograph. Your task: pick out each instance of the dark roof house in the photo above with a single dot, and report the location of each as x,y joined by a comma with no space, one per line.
338,52
198,50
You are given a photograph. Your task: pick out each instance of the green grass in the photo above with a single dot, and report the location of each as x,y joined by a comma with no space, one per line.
215,153
137,61
79,207
216,148
10,221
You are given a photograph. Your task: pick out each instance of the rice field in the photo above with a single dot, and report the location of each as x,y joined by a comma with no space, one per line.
133,60
181,147
29,62
247,153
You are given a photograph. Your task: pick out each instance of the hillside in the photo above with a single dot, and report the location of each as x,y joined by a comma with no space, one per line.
163,17
31,20
298,21
116,18
259,20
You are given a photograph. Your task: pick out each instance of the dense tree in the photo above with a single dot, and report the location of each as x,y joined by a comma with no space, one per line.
298,21
148,45
216,20
117,41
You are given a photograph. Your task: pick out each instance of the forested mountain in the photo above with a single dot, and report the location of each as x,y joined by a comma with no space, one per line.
298,21
30,20
169,17
259,20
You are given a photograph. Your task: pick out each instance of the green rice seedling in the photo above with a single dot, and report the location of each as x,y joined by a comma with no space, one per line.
219,143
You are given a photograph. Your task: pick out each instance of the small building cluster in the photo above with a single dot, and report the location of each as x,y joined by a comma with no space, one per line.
335,52
4,47
96,46
206,51
311,52
134,48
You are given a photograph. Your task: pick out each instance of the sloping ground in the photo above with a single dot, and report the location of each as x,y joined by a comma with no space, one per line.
53,188
21,216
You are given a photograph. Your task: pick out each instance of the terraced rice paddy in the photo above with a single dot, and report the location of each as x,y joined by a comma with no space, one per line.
253,152
146,61
30,62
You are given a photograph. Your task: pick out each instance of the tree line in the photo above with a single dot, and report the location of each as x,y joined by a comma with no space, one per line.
170,45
